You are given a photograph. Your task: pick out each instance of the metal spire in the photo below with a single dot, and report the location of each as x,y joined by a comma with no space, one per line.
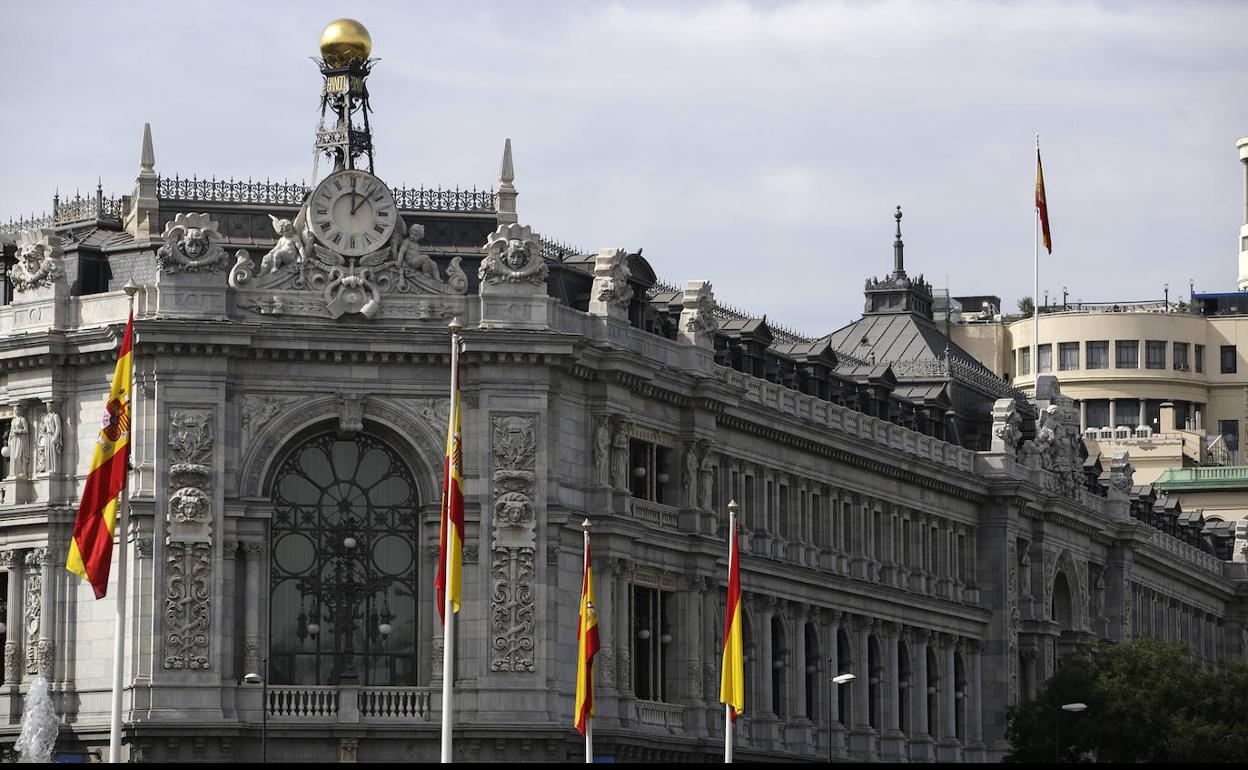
899,264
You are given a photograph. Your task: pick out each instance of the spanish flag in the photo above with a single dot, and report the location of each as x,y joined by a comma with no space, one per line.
587,647
732,676
1041,206
452,533
91,549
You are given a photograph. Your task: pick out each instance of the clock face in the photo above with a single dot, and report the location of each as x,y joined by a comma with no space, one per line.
353,213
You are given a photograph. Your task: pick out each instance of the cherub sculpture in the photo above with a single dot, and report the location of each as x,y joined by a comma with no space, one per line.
407,252
291,247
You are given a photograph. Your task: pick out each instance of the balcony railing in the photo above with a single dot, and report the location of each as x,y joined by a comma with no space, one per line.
655,514
664,716
319,703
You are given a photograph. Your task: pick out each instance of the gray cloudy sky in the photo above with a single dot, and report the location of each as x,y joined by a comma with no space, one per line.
760,145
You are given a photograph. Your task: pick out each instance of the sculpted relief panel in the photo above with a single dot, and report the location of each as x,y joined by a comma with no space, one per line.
513,544
188,551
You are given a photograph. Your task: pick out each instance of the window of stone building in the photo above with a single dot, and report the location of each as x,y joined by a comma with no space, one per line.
904,681
1229,431
1024,360
959,697
1154,354
906,544
877,537
875,682
1127,412
1097,354
933,698
779,668
1068,356
1097,412
343,602
769,507
963,566
818,526
650,476
1180,356
812,672
785,514
1063,614
844,665
1200,358
750,503
1126,354
1229,363
847,528
1044,358
652,638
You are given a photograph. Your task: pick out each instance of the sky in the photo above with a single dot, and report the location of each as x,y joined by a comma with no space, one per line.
762,146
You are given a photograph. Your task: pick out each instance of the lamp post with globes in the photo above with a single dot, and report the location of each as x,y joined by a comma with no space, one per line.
1073,708
263,681
833,692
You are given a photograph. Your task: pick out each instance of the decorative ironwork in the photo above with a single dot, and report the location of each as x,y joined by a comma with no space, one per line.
456,200
781,333
80,208
558,250
344,547
285,193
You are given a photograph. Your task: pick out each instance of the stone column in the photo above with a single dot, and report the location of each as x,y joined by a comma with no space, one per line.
950,644
891,741
1113,411
45,559
798,666
624,633
253,554
765,656
975,716
12,561
836,731
921,741
1083,415
861,732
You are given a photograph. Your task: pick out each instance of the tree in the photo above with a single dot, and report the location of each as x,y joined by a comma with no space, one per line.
1147,702
1026,306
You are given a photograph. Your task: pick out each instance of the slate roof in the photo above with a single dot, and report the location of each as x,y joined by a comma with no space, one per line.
899,337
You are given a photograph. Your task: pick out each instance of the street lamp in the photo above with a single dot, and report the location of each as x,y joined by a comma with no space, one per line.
837,680
263,681
1074,708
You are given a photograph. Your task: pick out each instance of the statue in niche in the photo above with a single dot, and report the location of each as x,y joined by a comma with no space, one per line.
619,460
602,452
408,254
19,430
291,247
50,442
1024,571
691,476
705,493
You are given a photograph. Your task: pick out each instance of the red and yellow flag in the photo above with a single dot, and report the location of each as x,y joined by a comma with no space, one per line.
452,533
587,648
1041,206
732,674
91,549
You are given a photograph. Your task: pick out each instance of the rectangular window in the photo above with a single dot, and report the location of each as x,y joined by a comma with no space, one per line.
1098,413
1068,356
1228,359
1154,354
1200,359
1098,354
1044,358
1024,360
647,463
1180,356
1127,412
1126,354
650,628
1229,431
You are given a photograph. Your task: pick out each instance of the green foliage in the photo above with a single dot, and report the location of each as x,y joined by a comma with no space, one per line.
1026,306
1147,702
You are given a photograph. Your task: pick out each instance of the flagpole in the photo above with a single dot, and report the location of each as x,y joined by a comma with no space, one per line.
732,529
448,614
123,522
1035,298
589,720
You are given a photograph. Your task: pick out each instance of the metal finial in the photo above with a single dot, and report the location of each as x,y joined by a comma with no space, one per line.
586,525
733,507
899,263
455,326
131,288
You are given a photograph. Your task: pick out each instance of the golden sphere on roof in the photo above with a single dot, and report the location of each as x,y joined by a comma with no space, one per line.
345,41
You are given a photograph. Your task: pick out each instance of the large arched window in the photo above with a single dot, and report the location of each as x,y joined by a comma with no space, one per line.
344,537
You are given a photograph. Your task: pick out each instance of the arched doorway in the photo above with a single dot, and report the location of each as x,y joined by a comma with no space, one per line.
343,564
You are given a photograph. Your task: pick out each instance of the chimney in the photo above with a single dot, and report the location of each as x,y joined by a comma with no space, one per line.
1167,417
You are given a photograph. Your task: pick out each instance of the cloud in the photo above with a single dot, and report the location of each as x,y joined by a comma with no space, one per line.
761,145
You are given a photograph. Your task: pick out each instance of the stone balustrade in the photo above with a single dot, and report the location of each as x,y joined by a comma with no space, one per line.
655,514
664,716
348,704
